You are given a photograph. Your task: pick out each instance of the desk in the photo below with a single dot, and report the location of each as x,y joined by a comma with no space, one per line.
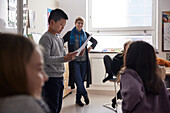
167,78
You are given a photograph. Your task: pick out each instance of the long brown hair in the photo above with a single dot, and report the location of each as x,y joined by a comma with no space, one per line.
141,57
15,52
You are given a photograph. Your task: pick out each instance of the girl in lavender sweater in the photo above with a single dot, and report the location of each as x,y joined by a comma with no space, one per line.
142,89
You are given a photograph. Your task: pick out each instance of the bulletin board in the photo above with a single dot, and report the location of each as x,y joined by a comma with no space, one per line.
166,31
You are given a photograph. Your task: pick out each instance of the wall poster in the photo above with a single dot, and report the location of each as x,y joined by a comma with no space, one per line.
12,8
166,31
48,14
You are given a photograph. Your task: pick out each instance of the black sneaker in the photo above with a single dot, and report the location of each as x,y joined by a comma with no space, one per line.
79,103
110,76
86,99
113,102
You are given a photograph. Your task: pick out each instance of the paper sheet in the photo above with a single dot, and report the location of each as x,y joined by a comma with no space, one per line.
83,46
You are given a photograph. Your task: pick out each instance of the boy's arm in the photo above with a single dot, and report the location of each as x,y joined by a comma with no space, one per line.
48,59
69,56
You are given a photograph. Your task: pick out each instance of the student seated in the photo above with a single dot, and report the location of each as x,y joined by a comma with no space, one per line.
116,65
142,89
21,76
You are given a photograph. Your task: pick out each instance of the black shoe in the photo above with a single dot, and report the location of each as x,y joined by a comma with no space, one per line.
86,99
105,79
110,76
79,103
113,102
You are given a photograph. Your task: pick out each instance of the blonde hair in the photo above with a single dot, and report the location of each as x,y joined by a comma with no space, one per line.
79,19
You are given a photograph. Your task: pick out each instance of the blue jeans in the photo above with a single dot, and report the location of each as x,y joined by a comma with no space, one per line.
53,93
80,72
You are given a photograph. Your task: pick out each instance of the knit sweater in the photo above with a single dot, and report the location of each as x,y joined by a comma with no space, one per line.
22,104
53,54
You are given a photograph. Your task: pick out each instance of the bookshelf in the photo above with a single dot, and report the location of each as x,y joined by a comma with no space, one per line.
67,89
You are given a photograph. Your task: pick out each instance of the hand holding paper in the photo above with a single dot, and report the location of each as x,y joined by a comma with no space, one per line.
83,46
70,56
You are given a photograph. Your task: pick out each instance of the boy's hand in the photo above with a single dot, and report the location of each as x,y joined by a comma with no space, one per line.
70,56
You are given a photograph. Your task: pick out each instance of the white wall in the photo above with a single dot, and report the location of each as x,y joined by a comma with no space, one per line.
40,8
163,5
73,8
4,10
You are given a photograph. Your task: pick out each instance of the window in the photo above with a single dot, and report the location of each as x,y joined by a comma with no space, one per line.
123,14
134,19
110,43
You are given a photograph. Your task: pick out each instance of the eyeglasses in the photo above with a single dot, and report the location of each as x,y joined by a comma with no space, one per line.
80,23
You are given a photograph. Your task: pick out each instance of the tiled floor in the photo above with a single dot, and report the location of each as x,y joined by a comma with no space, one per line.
97,99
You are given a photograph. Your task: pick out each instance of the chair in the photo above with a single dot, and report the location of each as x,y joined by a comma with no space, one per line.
111,77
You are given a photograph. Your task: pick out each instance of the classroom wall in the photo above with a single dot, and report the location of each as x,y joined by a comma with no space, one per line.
73,8
40,8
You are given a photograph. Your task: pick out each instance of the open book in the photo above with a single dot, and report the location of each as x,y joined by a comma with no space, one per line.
83,46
